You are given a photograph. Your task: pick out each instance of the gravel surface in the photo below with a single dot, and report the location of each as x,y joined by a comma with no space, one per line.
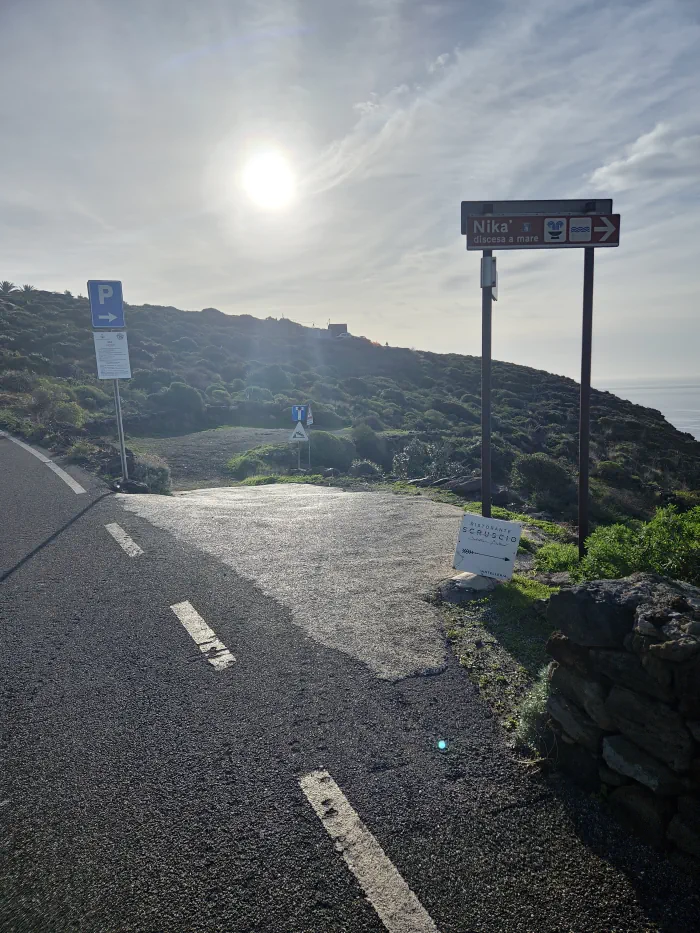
142,791
202,456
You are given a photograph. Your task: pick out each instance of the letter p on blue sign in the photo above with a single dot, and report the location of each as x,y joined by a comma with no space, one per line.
106,303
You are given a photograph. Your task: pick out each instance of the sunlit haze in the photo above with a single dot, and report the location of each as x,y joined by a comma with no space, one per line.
308,159
268,180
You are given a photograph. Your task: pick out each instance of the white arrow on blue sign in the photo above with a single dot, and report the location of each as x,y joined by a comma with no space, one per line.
298,413
106,303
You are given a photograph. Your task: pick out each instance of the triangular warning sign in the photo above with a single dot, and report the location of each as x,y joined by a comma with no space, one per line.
299,434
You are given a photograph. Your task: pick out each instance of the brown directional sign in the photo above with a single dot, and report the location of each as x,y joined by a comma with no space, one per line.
539,231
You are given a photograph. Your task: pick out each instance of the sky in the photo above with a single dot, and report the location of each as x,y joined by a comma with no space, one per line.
129,127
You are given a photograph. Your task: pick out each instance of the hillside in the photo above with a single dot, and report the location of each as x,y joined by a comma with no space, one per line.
420,411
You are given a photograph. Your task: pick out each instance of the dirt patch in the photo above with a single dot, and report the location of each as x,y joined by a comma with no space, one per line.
200,458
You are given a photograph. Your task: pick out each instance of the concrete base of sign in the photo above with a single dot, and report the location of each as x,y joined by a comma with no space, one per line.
463,587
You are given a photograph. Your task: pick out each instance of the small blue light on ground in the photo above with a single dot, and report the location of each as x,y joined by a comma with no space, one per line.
442,745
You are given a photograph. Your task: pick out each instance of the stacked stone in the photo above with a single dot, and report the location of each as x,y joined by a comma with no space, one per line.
624,704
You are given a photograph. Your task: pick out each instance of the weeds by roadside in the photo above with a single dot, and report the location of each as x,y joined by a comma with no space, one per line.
500,641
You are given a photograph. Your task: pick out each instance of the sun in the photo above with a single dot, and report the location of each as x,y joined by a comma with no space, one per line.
269,181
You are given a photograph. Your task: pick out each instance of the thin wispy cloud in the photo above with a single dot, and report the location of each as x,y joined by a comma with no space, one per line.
130,125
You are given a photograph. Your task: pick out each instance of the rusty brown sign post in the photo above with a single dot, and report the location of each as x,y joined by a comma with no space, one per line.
567,224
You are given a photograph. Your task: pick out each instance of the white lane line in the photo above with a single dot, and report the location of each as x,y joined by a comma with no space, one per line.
215,651
397,906
123,539
67,478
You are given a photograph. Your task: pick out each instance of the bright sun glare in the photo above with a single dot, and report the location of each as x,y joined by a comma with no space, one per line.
268,180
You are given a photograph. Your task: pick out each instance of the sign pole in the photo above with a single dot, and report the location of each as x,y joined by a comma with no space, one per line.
298,456
486,306
585,407
120,427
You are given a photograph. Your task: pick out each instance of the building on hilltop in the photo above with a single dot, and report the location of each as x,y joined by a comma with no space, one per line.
338,330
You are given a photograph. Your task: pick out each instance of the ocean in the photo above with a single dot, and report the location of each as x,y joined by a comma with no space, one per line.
677,399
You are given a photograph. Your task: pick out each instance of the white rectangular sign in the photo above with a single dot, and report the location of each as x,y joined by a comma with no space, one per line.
112,352
487,546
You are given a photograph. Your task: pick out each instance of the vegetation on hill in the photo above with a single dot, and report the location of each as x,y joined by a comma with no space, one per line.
408,413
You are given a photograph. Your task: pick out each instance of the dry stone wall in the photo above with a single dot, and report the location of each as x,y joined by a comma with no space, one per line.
624,703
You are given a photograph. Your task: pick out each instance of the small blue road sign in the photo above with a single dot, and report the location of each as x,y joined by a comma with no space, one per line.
298,412
106,303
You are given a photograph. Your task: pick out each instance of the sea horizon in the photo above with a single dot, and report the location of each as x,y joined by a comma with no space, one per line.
678,399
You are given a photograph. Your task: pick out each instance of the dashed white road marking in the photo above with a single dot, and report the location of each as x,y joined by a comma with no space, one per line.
123,539
215,651
67,478
396,905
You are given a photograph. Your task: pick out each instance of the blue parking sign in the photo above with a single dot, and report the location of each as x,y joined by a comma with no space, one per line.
106,303
298,413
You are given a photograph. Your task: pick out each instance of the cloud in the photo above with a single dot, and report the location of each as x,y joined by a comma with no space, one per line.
122,159
666,155
438,63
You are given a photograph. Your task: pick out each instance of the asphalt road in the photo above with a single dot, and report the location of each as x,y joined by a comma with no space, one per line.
149,783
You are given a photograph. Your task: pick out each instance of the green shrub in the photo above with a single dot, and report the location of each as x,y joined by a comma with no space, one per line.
668,544
154,472
538,473
68,413
365,468
556,558
243,465
81,451
17,380
370,446
181,398
330,450
413,460
532,707
90,397
611,472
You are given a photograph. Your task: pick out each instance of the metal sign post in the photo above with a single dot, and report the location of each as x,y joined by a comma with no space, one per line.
111,347
584,426
120,428
487,280
562,224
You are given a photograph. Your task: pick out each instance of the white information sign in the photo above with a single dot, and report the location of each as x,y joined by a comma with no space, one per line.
487,546
112,352
299,434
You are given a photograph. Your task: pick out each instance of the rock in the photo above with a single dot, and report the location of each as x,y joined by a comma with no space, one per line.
626,758
677,649
579,764
653,726
464,587
691,628
686,863
686,680
644,627
642,813
575,722
588,694
685,836
610,777
694,729
689,810
555,578
659,670
331,472
626,669
595,615
501,497
564,650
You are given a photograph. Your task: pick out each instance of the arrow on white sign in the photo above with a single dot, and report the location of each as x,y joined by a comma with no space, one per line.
479,554
607,229
108,317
